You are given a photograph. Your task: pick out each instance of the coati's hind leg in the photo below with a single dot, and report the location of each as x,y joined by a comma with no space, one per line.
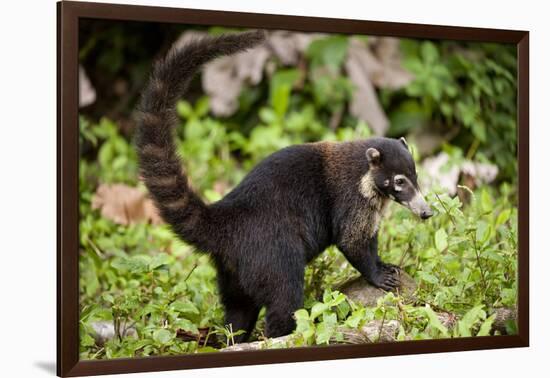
241,311
286,298
241,316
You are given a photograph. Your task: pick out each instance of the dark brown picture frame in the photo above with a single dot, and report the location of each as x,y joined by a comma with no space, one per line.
68,15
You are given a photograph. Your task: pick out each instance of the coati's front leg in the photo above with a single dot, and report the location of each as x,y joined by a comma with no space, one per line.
363,255
373,246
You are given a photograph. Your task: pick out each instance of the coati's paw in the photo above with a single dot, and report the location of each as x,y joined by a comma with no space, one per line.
389,267
386,279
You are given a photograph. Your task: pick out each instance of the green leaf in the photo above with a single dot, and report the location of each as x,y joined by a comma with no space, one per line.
163,336
327,296
318,309
325,329
323,333
280,87
494,255
280,99
429,52
329,52
135,264
186,325
212,196
430,278
343,309
356,318
441,240
202,106
330,318
159,260
409,115
503,217
86,340
306,328
301,314
434,322
483,232
207,349
185,307
485,328
184,109
470,319
511,327
108,298
486,201
268,115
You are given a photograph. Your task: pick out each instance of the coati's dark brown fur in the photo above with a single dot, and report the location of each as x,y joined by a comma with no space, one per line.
286,211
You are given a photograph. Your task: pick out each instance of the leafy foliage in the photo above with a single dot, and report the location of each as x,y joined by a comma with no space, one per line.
141,276
468,92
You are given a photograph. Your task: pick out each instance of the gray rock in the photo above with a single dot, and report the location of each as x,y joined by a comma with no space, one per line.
360,291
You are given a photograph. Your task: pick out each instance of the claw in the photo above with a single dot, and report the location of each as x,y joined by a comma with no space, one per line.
388,277
390,267
391,280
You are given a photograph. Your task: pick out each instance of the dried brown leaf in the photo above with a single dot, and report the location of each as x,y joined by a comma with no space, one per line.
124,204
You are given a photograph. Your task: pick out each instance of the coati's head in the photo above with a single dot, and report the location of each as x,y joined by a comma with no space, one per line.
392,173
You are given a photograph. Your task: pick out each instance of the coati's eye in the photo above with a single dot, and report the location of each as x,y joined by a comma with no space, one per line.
399,181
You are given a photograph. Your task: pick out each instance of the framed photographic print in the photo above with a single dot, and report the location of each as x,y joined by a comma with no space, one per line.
238,188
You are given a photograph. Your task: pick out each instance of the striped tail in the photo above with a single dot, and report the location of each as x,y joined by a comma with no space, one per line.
160,165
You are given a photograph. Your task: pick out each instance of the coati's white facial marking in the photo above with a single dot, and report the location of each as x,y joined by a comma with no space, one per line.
371,214
399,182
367,186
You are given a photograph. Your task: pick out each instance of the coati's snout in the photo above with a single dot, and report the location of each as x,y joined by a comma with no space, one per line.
419,206
393,173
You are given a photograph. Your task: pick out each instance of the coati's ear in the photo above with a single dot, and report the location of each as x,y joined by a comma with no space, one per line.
402,140
373,156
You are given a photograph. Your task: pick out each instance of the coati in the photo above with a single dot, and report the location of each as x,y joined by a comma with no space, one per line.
286,211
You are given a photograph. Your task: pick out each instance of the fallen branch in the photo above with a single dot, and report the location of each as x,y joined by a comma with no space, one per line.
373,331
